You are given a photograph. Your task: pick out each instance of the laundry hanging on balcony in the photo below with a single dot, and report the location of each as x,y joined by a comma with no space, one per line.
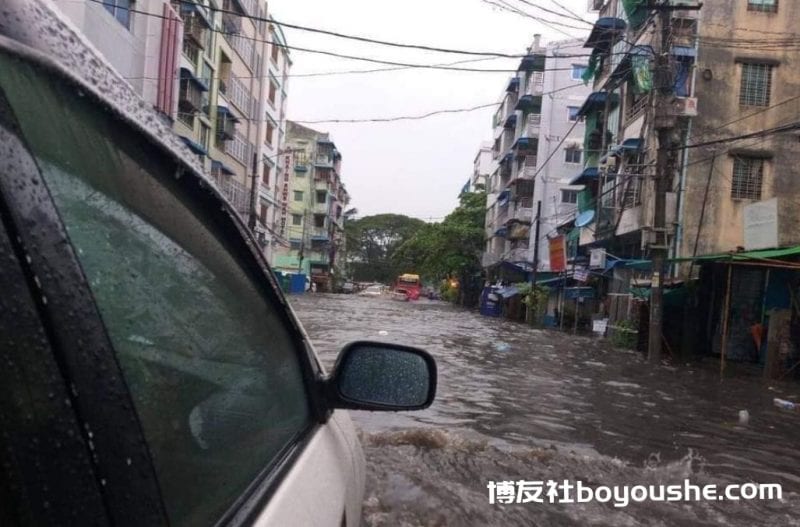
642,76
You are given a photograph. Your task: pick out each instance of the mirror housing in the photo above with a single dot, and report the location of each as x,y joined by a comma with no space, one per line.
382,377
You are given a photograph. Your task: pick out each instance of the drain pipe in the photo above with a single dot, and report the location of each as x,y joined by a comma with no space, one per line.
676,243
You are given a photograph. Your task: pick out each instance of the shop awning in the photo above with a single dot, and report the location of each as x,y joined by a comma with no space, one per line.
683,51
588,175
501,232
597,101
628,145
221,167
513,84
187,74
766,256
224,110
604,31
197,148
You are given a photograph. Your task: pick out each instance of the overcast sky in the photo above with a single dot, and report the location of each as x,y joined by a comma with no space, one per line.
409,167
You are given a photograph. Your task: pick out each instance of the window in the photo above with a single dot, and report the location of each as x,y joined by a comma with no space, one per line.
748,173
319,220
205,136
214,375
298,195
569,196
767,6
295,245
297,219
121,10
275,48
756,84
322,196
267,173
273,90
577,71
263,214
270,133
573,113
572,155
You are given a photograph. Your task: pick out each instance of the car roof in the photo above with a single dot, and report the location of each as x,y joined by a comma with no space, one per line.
37,30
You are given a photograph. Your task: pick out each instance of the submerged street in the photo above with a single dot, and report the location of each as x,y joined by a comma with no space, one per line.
518,403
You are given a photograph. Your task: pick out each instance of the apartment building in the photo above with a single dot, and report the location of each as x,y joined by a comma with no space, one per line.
536,113
313,202
726,80
481,167
217,70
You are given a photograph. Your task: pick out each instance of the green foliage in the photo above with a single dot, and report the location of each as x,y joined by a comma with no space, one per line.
626,334
449,293
372,242
450,248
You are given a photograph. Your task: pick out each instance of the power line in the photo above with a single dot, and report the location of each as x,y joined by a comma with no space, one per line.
357,38
761,133
546,10
505,6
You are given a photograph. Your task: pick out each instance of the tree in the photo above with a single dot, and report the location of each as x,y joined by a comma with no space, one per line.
452,248
372,241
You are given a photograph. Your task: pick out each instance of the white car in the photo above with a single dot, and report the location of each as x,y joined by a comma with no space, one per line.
152,371
373,290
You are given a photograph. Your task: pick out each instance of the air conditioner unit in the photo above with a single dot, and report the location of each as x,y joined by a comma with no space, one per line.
684,107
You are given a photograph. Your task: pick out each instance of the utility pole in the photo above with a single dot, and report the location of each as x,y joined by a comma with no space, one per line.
665,122
252,220
536,242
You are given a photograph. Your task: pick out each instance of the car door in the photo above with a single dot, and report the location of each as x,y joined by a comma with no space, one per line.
196,389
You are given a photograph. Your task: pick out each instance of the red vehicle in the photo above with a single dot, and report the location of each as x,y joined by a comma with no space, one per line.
407,287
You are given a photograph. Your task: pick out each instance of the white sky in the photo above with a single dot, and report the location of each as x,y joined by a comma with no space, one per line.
409,167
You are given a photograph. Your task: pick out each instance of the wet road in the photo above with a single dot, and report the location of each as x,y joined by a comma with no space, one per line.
517,403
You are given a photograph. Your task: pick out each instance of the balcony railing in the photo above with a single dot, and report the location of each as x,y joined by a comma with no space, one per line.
636,109
195,30
536,83
532,126
324,160
520,254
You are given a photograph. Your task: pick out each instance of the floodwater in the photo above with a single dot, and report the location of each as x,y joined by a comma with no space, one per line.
515,403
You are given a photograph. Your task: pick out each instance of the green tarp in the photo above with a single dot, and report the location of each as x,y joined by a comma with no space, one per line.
767,254
636,12
642,76
594,62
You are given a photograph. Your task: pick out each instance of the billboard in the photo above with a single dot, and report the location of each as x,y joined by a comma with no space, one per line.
558,253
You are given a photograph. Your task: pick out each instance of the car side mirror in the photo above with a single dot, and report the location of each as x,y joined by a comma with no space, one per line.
380,376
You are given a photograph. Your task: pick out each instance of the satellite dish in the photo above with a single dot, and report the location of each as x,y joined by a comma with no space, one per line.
584,218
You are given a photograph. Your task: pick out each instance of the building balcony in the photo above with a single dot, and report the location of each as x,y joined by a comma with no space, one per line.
533,125
226,123
535,84
324,160
523,211
520,254
529,103
489,259
194,29
532,62
190,95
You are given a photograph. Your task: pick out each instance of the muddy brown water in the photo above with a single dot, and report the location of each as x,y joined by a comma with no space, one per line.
515,403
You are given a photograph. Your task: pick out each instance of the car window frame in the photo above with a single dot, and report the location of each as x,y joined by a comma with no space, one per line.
51,249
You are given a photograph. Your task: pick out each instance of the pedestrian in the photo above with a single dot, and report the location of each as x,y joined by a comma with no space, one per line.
313,287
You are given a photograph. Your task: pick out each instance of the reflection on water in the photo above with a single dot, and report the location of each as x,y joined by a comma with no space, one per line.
517,403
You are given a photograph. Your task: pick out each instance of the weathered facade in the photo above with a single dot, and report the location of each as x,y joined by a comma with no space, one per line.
313,200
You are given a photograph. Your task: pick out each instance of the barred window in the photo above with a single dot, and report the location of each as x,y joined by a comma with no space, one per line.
748,173
756,84
767,6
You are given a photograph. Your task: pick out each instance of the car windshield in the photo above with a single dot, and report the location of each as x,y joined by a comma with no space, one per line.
587,211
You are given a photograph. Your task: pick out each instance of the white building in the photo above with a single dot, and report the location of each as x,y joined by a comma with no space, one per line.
536,113
560,135
482,167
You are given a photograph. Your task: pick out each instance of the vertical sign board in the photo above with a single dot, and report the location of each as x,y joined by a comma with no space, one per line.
761,225
287,169
597,259
558,254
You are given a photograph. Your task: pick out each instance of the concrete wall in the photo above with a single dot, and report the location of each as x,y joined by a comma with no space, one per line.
718,86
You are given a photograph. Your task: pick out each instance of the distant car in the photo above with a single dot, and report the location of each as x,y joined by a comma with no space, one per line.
348,287
152,371
373,290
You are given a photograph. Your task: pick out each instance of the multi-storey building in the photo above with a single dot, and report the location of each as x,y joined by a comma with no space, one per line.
481,167
538,105
725,79
217,70
313,201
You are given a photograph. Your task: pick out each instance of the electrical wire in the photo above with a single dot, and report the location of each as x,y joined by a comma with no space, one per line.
358,38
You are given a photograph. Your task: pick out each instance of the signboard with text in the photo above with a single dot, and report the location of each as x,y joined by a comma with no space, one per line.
761,225
287,170
558,254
